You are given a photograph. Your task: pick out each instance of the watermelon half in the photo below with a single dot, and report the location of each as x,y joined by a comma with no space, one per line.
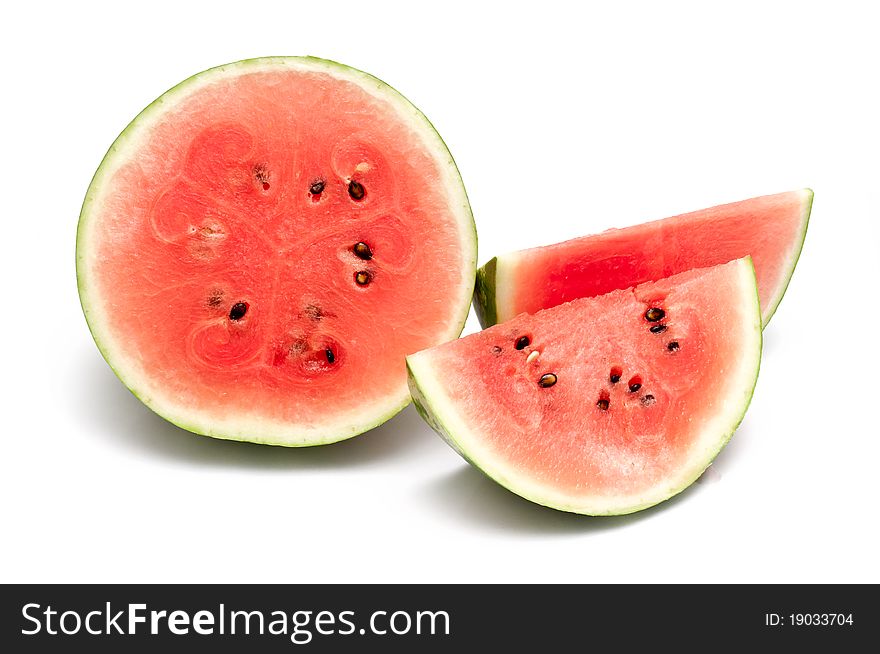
263,245
603,405
770,229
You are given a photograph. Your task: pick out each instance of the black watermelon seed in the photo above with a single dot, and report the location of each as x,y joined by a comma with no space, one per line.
616,372
547,380
603,403
330,356
362,251
356,190
648,400
659,328
238,310
363,277
317,187
521,342
672,346
654,314
634,387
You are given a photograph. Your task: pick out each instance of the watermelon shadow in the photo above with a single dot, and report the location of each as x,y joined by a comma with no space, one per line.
114,414
469,495
771,336
730,457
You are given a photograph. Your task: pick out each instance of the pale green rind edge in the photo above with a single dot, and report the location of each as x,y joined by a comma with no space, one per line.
486,298
432,412
97,178
793,259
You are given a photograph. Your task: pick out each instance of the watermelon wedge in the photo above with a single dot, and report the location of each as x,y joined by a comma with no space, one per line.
603,405
263,244
770,229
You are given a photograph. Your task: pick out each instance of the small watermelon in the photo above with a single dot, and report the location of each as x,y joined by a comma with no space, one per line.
263,244
771,229
604,405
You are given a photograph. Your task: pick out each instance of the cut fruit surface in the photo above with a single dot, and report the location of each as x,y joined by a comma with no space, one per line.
603,405
264,244
770,229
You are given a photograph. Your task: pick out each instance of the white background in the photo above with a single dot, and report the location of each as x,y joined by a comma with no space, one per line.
565,119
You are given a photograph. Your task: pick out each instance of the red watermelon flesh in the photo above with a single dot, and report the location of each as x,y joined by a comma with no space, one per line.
770,229
602,405
265,243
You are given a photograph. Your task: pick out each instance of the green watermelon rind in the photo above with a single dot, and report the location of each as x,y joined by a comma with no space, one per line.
795,256
484,294
115,156
486,302
441,415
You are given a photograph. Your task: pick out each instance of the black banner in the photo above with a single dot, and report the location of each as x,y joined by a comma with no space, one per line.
421,618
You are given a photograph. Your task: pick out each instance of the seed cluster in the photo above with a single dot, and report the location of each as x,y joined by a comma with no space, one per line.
520,343
634,385
356,190
365,253
655,315
361,250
